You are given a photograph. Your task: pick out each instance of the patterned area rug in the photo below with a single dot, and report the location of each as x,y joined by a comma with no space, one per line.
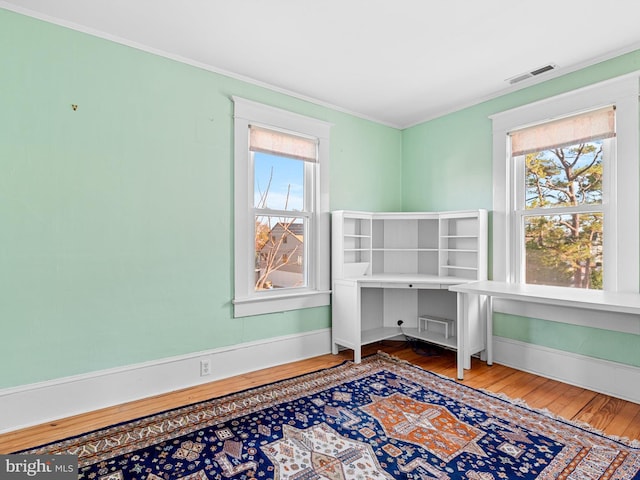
381,419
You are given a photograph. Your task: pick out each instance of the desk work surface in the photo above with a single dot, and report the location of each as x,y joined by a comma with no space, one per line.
621,302
407,278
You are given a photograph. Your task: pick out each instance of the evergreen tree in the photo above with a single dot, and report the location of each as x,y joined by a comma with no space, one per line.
564,248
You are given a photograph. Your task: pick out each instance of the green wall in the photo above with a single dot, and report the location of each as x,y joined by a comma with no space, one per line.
593,342
116,218
447,165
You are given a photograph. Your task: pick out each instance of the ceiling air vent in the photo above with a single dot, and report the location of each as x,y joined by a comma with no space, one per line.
532,73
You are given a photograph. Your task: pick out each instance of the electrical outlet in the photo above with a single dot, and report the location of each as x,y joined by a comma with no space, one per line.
205,367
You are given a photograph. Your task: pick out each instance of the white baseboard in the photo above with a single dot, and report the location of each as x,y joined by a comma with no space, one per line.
610,378
43,402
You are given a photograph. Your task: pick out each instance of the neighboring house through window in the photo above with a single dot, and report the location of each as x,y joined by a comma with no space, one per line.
281,210
566,189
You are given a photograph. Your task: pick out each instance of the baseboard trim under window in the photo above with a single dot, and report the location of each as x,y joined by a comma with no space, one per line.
602,376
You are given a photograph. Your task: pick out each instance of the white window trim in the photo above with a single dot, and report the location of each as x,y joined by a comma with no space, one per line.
623,257
246,301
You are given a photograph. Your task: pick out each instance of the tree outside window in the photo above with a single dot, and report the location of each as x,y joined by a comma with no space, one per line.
564,248
281,219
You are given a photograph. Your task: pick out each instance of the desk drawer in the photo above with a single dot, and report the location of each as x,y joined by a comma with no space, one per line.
417,285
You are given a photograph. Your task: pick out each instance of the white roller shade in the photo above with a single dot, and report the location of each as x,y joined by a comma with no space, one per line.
280,143
574,130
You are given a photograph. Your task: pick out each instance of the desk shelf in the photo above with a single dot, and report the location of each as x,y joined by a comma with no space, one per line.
379,334
458,267
432,337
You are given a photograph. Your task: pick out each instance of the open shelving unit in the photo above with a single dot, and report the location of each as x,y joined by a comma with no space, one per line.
397,266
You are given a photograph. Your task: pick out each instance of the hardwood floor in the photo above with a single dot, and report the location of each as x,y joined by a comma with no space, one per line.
611,415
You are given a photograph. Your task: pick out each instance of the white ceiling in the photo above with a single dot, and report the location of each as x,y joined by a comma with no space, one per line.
398,62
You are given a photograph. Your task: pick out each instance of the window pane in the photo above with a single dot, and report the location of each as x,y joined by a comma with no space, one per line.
564,250
566,176
278,182
280,253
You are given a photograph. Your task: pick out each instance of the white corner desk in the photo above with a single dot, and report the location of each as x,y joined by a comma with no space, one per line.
367,309
598,300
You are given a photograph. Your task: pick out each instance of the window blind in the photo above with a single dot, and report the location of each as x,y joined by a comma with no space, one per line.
275,142
582,128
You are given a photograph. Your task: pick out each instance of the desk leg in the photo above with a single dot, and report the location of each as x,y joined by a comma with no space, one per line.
489,320
461,318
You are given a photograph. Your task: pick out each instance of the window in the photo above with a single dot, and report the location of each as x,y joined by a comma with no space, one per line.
284,167
281,210
566,189
561,171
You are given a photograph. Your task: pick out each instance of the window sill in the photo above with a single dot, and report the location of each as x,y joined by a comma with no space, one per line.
272,303
615,311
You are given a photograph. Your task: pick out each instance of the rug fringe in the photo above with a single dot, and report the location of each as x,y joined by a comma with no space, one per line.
576,423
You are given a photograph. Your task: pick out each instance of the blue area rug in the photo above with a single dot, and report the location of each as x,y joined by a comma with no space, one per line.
381,419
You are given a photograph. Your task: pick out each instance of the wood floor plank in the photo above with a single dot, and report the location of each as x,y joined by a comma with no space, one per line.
633,429
515,385
628,413
601,411
545,394
575,402
521,389
491,376
614,416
